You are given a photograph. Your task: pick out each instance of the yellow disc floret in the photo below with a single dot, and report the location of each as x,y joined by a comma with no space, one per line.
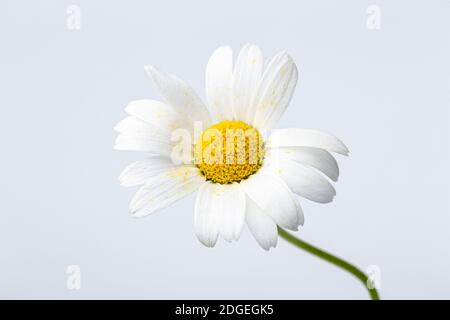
229,151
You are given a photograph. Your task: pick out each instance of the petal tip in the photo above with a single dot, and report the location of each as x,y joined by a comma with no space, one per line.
151,70
133,214
207,244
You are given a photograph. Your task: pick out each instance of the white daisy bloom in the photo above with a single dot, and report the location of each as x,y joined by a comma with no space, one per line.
258,178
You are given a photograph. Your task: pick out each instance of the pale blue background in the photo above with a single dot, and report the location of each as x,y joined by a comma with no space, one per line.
385,93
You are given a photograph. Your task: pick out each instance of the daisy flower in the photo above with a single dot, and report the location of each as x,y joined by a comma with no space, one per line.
245,172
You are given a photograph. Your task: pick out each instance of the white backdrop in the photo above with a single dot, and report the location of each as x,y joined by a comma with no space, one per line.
384,92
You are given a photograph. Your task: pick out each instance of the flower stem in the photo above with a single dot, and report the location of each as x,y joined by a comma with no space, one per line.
330,258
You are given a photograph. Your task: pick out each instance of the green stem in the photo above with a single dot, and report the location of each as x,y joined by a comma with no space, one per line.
330,258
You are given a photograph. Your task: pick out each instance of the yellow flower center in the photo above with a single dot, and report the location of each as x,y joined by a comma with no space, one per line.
229,151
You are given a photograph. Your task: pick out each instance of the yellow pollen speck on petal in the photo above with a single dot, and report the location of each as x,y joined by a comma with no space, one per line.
229,151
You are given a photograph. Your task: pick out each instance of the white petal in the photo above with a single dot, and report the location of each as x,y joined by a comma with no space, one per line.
180,96
135,134
275,91
294,137
206,216
133,124
142,142
301,217
320,159
164,189
158,114
262,227
226,203
247,76
231,201
140,172
302,180
219,82
273,196
127,143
